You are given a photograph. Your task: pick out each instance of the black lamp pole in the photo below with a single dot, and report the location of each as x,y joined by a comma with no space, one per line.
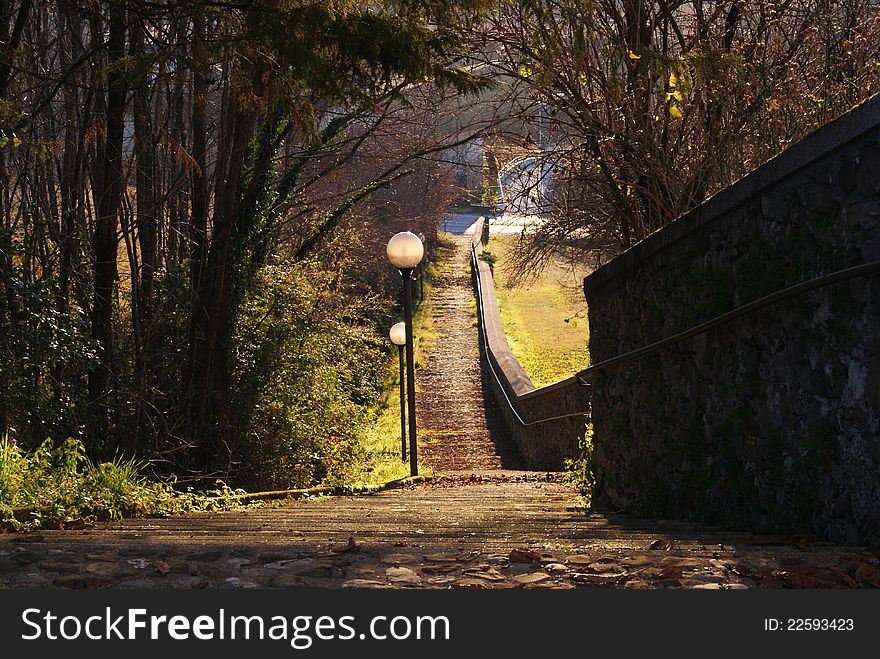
405,251
407,273
402,407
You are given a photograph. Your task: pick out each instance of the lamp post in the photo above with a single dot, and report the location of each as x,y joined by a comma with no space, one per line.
398,338
405,251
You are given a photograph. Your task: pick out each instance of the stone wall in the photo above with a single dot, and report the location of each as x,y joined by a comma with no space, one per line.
771,421
546,424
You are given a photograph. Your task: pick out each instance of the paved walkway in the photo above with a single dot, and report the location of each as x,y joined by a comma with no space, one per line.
462,424
500,530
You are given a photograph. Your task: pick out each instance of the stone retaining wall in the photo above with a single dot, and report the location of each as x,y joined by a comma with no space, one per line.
544,442
771,421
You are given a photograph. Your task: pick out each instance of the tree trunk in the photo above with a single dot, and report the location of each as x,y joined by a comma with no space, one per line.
208,372
69,181
146,222
106,222
199,180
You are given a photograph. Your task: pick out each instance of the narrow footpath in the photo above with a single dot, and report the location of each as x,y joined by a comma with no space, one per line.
463,426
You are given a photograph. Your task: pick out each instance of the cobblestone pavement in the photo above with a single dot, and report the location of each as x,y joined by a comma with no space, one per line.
489,530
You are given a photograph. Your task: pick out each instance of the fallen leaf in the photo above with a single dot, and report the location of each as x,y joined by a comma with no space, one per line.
751,571
361,583
531,577
605,568
76,525
636,561
670,572
580,559
638,584
161,567
470,583
661,544
352,546
597,579
556,568
487,575
843,576
800,580
524,555
402,575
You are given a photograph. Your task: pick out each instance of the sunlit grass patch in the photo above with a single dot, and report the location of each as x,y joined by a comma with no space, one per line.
56,485
544,316
382,461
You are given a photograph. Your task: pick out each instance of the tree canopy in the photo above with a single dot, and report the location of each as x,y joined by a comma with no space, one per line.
157,160
645,108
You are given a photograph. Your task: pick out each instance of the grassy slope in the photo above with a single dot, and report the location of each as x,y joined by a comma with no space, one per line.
534,314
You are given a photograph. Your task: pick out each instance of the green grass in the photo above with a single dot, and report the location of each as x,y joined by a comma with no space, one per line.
56,485
544,317
382,443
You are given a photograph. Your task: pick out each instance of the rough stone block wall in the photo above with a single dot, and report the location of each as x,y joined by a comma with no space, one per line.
542,444
772,421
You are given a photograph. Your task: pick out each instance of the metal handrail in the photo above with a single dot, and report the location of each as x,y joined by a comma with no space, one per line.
525,424
862,270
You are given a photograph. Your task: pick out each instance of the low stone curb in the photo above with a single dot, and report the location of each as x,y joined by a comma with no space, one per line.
329,491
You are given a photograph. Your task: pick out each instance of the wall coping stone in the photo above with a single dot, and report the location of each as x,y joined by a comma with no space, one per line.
516,379
546,424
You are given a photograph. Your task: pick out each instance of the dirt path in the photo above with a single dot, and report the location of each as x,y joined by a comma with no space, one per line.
464,429
499,531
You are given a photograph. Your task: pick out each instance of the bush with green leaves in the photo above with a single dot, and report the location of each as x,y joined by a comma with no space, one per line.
307,367
580,470
44,353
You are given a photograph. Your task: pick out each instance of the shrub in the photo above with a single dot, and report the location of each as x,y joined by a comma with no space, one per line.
55,484
580,470
307,368
44,352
